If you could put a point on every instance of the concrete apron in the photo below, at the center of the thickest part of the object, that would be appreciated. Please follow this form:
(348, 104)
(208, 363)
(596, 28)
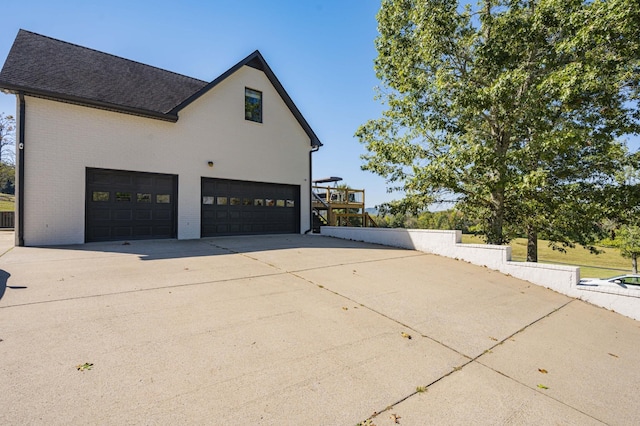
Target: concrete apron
(294, 329)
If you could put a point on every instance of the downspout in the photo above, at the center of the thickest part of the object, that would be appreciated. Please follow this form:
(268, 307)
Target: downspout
(20, 198)
(314, 149)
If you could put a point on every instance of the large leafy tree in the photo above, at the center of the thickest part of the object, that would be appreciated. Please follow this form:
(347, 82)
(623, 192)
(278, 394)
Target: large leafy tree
(511, 109)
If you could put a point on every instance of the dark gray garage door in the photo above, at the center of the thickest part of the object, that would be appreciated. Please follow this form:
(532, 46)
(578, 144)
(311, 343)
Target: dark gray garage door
(122, 205)
(233, 207)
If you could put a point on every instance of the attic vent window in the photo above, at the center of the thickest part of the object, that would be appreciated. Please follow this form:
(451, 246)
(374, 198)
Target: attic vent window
(252, 105)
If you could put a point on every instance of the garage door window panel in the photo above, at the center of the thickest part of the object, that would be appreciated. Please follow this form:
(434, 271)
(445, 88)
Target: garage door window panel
(123, 196)
(100, 196)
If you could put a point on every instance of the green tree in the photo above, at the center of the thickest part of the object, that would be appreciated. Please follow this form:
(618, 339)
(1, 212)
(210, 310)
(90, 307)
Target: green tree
(7, 137)
(630, 244)
(7, 140)
(511, 109)
(7, 178)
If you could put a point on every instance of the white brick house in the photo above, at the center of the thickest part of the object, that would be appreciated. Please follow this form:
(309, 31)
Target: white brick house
(111, 149)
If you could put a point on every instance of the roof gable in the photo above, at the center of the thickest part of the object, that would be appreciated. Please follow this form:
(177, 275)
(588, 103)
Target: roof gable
(46, 67)
(256, 60)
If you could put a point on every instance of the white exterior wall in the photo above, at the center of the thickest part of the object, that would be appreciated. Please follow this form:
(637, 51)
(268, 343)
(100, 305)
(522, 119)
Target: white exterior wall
(62, 140)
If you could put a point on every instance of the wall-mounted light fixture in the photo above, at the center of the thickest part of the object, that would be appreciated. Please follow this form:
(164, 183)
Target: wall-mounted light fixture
(210, 163)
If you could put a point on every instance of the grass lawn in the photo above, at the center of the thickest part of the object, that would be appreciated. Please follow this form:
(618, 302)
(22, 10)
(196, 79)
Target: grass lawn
(604, 265)
(7, 203)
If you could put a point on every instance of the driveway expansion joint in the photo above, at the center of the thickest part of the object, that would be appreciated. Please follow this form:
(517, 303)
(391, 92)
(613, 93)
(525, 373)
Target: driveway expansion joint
(535, 389)
(140, 290)
(471, 360)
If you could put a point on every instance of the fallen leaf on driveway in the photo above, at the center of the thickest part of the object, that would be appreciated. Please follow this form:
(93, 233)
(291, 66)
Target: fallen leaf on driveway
(542, 387)
(613, 355)
(85, 366)
(396, 418)
(344, 308)
(542, 370)
(405, 335)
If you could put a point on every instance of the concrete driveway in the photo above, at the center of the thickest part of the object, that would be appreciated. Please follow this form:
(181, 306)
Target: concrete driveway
(293, 330)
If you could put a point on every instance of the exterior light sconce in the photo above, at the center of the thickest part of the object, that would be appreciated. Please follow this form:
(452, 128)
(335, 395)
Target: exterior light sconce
(210, 163)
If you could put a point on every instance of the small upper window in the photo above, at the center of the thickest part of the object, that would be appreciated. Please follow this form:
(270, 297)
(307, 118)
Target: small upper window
(252, 105)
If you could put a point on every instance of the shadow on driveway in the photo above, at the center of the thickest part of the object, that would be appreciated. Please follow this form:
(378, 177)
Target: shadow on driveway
(4, 278)
(174, 249)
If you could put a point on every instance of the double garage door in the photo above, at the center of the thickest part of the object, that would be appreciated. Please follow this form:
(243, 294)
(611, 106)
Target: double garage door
(233, 207)
(124, 205)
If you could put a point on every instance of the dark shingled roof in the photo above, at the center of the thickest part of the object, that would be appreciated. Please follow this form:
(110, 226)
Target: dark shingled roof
(46, 67)
(54, 68)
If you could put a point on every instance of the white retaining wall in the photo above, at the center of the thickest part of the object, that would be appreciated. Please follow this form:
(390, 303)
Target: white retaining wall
(563, 279)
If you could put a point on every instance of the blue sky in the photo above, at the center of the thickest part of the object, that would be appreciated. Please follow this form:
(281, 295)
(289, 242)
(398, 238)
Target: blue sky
(322, 51)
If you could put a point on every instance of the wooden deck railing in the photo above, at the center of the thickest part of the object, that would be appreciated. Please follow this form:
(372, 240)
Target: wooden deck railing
(341, 206)
(7, 219)
(343, 196)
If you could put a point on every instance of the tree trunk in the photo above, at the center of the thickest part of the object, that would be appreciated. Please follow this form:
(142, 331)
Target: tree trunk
(496, 218)
(634, 263)
(532, 244)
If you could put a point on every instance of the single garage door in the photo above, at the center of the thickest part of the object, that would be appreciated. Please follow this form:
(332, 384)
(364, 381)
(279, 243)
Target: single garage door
(123, 205)
(233, 207)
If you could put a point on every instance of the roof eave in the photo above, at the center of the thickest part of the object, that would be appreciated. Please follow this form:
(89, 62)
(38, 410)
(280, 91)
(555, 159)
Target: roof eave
(11, 88)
